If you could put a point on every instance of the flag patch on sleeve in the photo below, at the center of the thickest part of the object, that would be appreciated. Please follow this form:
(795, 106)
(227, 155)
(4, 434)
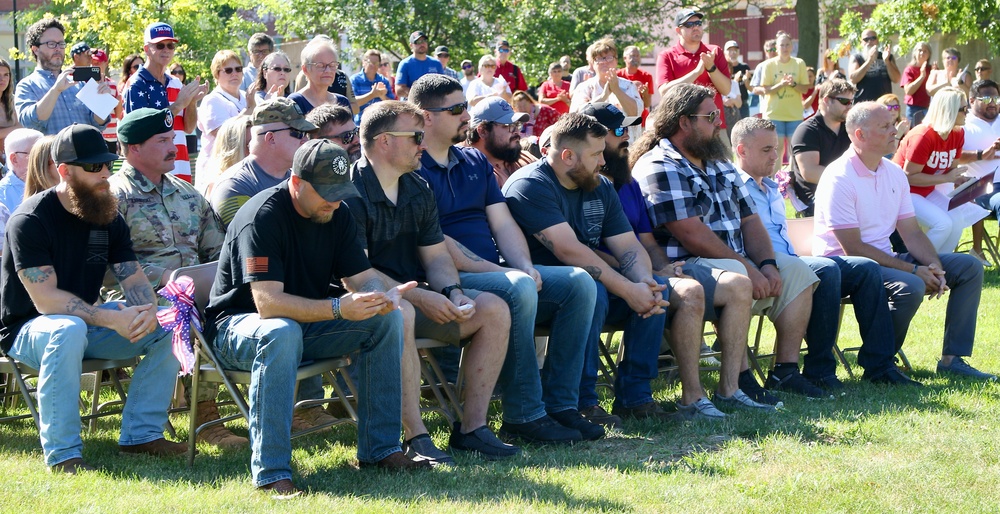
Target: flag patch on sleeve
(255, 265)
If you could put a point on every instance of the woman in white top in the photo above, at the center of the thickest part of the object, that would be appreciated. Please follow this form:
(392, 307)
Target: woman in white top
(488, 84)
(224, 102)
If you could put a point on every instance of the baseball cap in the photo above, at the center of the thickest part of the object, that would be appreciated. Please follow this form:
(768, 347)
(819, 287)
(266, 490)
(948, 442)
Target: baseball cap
(159, 31)
(141, 124)
(685, 15)
(417, 34)
(496, 110)
(442, 50)
(79, 48)
(99, 56)
(324, 165)
(281, 110)
(545, 139)
(81, 143)
(610, 116)
(730, 44)
(503, 42)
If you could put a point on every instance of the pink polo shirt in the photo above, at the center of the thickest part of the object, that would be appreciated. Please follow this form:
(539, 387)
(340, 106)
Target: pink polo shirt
(849, 195)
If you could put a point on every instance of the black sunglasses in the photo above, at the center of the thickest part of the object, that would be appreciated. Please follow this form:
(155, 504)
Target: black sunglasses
(161, 46)
(691, 24)
(869, 39)
(92, 167)
(297, 134)
(417, 135)
(456, 109)
(844, 101)
(279, 68)
(345, 137)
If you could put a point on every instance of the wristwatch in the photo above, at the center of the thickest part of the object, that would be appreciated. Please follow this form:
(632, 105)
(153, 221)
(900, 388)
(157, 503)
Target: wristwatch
(447, 290)
(765, 262)
(712, 69)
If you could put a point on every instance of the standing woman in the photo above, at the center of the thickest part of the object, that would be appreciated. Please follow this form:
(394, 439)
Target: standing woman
(8, 119)
(784, 80)
(224, 102)
(273, 79)
(930, 154)
(319, 66)
(488, 84)
(131, 65)
(951, 75)
(914, 83)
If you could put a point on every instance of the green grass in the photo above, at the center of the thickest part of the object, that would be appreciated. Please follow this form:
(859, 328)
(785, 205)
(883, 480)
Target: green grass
(874, 449)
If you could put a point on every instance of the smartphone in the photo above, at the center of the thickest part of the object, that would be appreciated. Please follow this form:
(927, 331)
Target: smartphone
(85, 73)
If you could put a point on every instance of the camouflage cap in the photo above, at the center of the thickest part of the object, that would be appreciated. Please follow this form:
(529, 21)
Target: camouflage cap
(282, 110)
(325, 166)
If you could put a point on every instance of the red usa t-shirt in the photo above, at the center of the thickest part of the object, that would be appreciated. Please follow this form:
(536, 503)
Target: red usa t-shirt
(923, 145)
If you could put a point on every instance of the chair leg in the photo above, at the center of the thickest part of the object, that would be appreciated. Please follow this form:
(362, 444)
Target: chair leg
(753, 352)
(905, 361)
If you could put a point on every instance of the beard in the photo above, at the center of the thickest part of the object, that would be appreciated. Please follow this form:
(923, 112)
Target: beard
(504, 153)
(585, 180)
(616, 165)
(91, 204)
(709, 148)
(461, 135)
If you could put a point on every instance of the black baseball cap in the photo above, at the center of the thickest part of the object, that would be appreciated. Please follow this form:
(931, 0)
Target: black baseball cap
(81, 143)
(610, 115)
(417, 34)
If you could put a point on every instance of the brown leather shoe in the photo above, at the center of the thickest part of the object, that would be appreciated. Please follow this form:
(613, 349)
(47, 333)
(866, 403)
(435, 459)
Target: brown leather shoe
(651, 410)
(396, 462)
(71, 467)
(216, 435)
(283, 489)
(158, 448)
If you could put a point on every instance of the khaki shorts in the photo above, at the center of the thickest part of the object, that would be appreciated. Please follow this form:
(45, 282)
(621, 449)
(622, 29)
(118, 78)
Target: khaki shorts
(796, 276)
(449, 332)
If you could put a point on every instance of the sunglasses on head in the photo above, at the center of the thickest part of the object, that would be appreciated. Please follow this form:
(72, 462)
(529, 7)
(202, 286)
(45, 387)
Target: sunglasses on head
(297, 134)
(168, 46)
(453, 109)
(691, 24)
(92, 167)
(279, 68)
(846, 101)
(712, 116)
(417, 135)
(229, 70)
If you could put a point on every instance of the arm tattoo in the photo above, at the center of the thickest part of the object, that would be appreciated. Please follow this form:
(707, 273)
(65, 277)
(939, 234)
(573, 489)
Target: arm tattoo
(468, 253)
(37, 275)
(545, 241)
(140, 295)
(123, 270)
(373, 285)
(78, 307)
(627, 262)
(594, 271)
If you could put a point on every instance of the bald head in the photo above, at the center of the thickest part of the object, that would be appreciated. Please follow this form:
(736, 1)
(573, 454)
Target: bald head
(872, 128)
(17, 145)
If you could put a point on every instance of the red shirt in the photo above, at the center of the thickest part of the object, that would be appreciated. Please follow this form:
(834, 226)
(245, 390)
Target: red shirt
(923, 145)
(550, 90)
(920, 98)
(643, 77)
(513, 76)
(675, 62)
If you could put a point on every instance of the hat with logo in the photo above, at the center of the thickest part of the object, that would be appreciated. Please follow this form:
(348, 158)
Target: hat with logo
(502, 43)
(442, 50)
(731, 44)
(497, 110)
(281, 110)
(158, 32)
(416, 35)
(79, 48)
(325, 167)
(686, 15)
(99, 56)
(141, 124)
(80, 143)
(610, 116)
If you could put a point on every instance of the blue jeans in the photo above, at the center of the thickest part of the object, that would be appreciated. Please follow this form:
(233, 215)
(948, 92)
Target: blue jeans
(565, 304)
(861, 279)
(279, 345)
(56, 346)
(786, 128)
(915, 114)
(638, 367)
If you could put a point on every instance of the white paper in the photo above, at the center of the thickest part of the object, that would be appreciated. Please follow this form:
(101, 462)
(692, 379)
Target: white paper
(99, 104)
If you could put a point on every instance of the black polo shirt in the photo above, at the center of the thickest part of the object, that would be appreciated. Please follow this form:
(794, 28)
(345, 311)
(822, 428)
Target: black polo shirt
(814, 136)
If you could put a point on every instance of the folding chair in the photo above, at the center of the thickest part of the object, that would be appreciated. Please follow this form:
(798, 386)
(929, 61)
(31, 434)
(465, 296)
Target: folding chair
(208, 366)
(446, 394)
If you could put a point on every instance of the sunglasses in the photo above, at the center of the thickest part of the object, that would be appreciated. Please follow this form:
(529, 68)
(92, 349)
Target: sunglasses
(168, 46)
(503, 50)
(279, 68)
(964, 109)
(135, 67)
(297, 134)
(417, 135)
(892, 107)
(488, 66)
(988, 99)
(467, 67)
(951, 58)
(771, 49)
(620, 131)
(513, 127)
(691, 24)
(869, 39)
(345, 137)
(984, 69)
(847, 101)
(229, 71)
(92, 167)
(455, 110)
(712, 116)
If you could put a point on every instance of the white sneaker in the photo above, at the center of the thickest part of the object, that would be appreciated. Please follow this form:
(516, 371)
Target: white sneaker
(740, 400)
(700, 409)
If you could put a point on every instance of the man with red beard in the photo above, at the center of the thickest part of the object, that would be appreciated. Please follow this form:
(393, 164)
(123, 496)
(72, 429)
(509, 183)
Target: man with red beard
(495, 130)
(59, 243)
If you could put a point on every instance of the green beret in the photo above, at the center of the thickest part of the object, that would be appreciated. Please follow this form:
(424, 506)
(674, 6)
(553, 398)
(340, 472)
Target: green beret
(141, 124)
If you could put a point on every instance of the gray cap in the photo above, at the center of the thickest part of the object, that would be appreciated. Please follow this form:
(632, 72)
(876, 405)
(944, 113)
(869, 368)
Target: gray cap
(325, 166)
(497, 110)
(610, 115)
(685, 15)
(80, 143)
(282, 110)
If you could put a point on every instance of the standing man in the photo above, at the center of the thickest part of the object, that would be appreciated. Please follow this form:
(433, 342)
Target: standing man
(444, 56)
(58, 246)
(46, 100)
(508, 70)
(153, 87)
(259, 46)
(16, 147)
(414, 66)
(741, 74)
(873, 70)
(368, 85)
(80, 53)
(468, 74)
(861, 199)
(643, 80)
(819, 141)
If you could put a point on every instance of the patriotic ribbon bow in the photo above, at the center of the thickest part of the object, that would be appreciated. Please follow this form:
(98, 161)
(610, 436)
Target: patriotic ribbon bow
(179, 318)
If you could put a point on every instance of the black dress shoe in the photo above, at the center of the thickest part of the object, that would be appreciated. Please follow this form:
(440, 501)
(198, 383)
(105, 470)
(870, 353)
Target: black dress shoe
(891, 376)
(573, 419)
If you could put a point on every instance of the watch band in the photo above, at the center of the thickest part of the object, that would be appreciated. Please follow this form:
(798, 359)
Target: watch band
(765, 262)
(447, 290)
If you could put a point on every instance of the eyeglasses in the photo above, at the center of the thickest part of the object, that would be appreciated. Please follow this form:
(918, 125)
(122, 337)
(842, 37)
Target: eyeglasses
(712, 116)
(455, 110)
(420, 41)
(513, 127)
(951, 57)
(604, 60)
(620, 131)
(168, 46)
(503, 50)
(691, 24)
(92, 167)
(323, 66)
(52, 45)
(297, 134)
(964, 109)
(988, 99)
(892, 107)
(229, 71)
(345, 137)
(487, 65)
(417, 135)
(845, 101)
(279, 68)
(261, 51)
(869, 39)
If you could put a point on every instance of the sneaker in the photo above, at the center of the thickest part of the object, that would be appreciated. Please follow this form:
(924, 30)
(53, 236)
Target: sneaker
(421, 448)
(542, 430)
(748, 384)
(707, 358)
(314, 417)
(829, 382)
(739, 400)
(573, 419)
(483, 442)
(701, 409)
(795, 383)
(597, 414)
(650, 410)
(959, 367)
(891, 376)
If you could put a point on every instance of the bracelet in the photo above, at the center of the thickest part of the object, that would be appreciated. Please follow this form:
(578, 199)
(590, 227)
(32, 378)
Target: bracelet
(915, 266)
(335, 306)
(712, 69)
(765, 262)
(979, 155)
(447, 290)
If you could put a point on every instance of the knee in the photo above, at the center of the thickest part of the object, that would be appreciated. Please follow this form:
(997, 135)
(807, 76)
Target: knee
(688, 293)
(408, 315)
(279, 329)
(67, 334)
(584, 286)
(495, 311)
(734, 289)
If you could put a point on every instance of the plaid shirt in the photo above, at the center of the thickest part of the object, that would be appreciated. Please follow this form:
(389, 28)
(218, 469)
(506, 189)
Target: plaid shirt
(675, 190)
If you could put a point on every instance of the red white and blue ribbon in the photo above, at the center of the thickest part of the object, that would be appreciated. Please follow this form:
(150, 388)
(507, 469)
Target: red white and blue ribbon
(179, 318)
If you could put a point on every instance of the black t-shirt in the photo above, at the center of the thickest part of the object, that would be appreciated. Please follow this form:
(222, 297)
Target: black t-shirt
(876, 81)
(814, 136)
(41, 232)
(339, 85)
(268, 240)
(744, 94)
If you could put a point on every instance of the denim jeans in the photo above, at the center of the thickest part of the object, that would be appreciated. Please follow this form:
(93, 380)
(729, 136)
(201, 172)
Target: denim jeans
(861, 279)
(565, 304)
(915, 115)
(56, 345)
(278, 346)
(638, 367)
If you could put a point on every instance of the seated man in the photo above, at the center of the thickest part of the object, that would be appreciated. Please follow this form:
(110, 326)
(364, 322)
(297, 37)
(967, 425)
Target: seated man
(270, 310)
(398, 226)
(59, 244)
(756, 144)
(861, 199)
(568, 209)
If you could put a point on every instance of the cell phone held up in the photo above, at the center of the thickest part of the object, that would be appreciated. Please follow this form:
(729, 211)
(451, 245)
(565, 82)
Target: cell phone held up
(85, 73)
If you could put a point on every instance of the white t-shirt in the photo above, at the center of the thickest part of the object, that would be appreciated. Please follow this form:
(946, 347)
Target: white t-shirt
(478, 88)
(217, 107)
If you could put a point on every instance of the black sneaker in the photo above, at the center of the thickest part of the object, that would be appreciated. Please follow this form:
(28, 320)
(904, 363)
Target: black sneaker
(794, 382)
(891, 376)
(597, 414)
(572, 419)
(542, 430)
(481, 441)
(748, 384)
(829, 382)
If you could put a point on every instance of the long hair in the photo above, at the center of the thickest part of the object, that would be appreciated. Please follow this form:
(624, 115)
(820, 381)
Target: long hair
(266, 65)
(127, 71)
(943, 110)
(913, 54)
(680, 100)
(39, 176)
(7, 95)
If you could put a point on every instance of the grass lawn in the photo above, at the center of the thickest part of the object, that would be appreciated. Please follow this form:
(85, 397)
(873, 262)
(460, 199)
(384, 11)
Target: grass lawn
(873, 449)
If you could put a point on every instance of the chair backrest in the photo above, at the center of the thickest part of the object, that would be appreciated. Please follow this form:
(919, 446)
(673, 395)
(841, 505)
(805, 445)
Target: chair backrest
(800, 231)
(203, 276)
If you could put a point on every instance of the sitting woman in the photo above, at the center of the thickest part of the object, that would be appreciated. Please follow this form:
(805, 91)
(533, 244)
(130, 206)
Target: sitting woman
(891, 102)
(42, 173)
(319, 66)
(540, 116)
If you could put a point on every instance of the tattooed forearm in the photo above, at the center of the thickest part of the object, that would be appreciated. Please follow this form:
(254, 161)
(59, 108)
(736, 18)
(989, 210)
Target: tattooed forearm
(140, 295)
(84, 310)
(545, 241)
(627, 261)
(594, 271)
(372, 285)
(468, 253)
(123, 270)
(37, 275)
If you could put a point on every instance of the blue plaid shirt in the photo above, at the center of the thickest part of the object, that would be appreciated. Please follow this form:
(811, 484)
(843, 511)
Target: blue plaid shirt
(676, 190)
(68, 109)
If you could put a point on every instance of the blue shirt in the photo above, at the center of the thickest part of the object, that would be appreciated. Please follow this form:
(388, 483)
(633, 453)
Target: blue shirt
(146, 91)
(11, 191)
(67, 111)
(463, 188)
(362, 86)
(410, 69)
(306, 106)
(771, 209)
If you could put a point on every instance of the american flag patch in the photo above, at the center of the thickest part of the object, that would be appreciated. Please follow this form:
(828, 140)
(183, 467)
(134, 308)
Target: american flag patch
(256, 265)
